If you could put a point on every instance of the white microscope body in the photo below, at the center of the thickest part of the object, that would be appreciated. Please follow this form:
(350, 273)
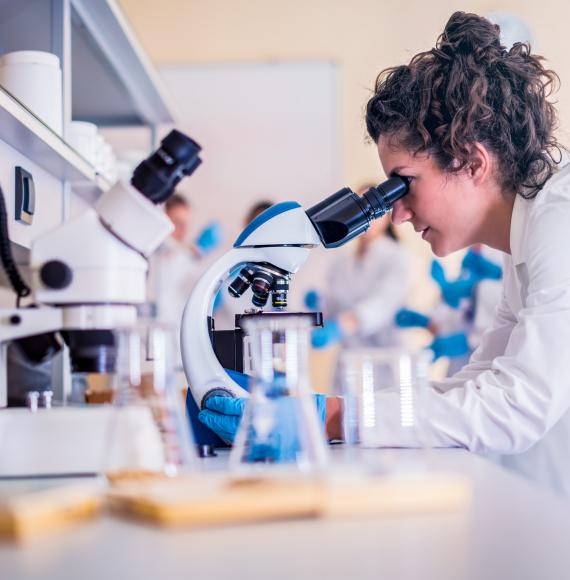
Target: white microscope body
(87, 278)
(282, 236)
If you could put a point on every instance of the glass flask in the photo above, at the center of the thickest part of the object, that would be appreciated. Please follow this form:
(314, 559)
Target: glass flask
(385, 395)
(149, 431)
(280, 427)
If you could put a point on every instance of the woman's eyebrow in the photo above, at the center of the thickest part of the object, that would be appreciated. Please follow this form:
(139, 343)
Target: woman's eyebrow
(397, 169)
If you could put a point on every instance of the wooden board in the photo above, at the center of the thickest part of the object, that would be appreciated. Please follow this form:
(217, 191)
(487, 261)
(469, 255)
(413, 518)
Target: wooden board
(207, 499)
(38, 509)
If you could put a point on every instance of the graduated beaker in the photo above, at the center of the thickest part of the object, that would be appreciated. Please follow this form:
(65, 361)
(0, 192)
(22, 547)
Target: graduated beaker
(280, 425)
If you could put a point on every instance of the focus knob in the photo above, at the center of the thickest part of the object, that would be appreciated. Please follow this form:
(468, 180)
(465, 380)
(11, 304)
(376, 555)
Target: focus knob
(56, 274)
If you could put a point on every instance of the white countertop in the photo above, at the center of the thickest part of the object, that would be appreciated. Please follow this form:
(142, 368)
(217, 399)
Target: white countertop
(512, 529)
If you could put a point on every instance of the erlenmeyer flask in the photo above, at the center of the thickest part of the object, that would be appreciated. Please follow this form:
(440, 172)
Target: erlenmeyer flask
(149, 432)
(280, 426)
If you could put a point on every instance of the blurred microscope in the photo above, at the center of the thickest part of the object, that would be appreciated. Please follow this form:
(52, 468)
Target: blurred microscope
(87, 278)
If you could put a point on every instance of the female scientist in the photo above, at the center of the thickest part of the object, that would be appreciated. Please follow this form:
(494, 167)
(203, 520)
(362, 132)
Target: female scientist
(471, 125)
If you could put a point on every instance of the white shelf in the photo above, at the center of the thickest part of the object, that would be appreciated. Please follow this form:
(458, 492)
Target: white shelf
(113, 58)
(26, 133)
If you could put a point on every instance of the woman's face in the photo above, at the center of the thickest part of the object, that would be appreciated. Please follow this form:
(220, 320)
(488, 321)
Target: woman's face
(448, 209)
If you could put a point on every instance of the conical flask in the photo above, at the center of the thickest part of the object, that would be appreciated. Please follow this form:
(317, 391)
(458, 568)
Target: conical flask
(149, 432)
(280, 427)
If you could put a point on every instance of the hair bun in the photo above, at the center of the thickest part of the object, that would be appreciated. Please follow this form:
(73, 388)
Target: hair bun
(469, 34)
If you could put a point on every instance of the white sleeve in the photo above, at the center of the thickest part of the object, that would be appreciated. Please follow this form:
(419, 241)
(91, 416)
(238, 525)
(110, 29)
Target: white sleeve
(385, 297)
(492, 344)
(508, 402)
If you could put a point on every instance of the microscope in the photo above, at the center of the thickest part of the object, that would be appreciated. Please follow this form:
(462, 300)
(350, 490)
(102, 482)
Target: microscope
(265, 256)
(87, 278)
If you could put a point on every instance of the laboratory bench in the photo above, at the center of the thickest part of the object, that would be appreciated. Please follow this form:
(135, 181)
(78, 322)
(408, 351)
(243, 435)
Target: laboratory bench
(511, 529)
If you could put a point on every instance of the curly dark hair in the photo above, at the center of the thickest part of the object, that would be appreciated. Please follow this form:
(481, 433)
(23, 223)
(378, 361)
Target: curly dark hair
(468, 89)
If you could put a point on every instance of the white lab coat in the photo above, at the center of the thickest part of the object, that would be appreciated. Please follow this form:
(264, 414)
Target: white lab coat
(173, 272)
(514, 395)
(374, 287)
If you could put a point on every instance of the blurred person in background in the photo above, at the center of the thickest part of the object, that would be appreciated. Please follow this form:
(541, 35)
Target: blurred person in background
(176, 265)
(466, 308)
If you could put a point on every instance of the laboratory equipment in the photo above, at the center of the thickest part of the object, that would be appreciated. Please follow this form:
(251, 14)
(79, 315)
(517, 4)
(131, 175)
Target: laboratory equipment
(279, 425)
(264, 257)
(374, 380)
(34, 78)
(87, 278)
(144, 383)
(90, 273)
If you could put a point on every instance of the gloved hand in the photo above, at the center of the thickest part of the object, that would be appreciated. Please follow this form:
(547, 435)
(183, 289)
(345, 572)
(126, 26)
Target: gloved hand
(209, 238)
(328, 334)
(453, 292)
(312, 300)
(223, 415)
(406, 318)
(480, 266)
(450, 345)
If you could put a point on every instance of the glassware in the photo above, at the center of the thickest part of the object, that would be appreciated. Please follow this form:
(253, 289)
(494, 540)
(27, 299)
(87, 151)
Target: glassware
(149, 431)
(280, 426)
(385, 398)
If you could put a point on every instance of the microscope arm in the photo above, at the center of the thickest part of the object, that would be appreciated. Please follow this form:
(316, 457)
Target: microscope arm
(206, 376)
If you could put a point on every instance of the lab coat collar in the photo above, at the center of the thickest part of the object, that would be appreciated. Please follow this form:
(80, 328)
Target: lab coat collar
(519, 217)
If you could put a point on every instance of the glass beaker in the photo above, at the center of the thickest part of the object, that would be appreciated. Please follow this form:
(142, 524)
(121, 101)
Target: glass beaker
(280, 426)
(149, 431)
(385, 397)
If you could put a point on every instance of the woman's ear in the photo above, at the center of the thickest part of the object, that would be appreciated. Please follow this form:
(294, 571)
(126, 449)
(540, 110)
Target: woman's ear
(479, 167)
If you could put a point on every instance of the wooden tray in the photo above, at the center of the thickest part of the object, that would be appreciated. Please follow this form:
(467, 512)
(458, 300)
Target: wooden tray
(39, 508)
(206, 499)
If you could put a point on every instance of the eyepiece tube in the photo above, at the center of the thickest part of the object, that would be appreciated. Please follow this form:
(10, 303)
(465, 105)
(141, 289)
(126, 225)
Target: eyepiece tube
(344, 215)
(382, 197)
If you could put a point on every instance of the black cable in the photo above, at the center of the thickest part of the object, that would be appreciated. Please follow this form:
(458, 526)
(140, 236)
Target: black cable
(18, 284)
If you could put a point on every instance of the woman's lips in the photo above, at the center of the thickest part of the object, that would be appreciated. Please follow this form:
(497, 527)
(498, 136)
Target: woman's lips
(424, 233)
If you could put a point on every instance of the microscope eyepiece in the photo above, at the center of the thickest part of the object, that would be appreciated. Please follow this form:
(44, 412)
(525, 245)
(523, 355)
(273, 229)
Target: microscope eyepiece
(344, 215)
(157, 176)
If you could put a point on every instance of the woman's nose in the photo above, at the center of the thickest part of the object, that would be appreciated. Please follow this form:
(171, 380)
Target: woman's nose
(401, 213)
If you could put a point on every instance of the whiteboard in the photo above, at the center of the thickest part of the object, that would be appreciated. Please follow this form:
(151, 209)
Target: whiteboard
(268, 131)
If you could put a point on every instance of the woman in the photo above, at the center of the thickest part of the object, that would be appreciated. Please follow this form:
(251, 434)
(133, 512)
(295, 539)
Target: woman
(470, 124)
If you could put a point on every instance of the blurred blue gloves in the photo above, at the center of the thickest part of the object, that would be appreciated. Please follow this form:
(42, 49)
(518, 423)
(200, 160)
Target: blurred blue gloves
(223, 415)
(450, 345)
(312, 300)
(209, 238)
(406, 318)
(328, 334)
(453, 292)
(482, 268)
(474, 268)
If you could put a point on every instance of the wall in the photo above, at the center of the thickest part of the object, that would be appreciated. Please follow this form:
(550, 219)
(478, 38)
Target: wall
(363, 36)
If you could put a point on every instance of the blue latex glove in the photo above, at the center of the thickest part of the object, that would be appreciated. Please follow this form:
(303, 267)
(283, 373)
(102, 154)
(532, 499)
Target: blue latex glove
(327, 335)
(480, 267)
(453, 292)
(312, 300)
(223, 415)
(406, 318)
(450, 345)
(209, 238)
